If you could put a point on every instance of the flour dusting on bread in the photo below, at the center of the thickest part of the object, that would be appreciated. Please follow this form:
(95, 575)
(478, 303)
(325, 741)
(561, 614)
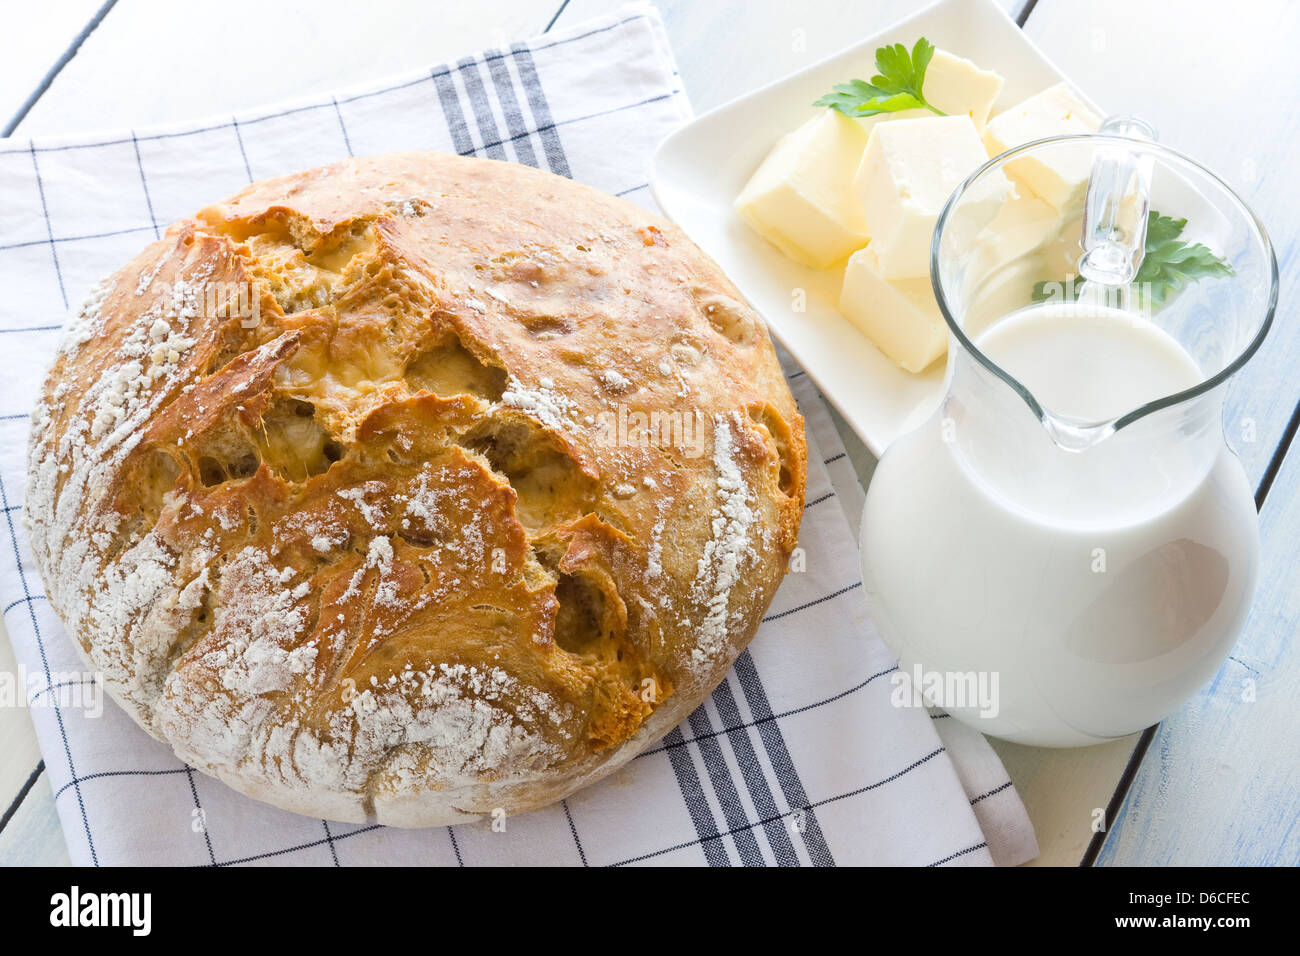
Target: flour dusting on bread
(728, 550)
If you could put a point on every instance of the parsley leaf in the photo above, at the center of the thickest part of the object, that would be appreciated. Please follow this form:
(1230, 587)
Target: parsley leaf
(1168, 264)
(1161, 228)
(896, 87)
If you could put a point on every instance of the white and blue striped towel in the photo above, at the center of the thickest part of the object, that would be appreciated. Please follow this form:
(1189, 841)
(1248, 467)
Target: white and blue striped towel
(798, 758)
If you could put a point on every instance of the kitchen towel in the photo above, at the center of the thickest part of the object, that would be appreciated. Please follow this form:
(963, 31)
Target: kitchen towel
(799, 757)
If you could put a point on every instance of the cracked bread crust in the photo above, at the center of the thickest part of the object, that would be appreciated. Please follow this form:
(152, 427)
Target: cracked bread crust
(480, 490)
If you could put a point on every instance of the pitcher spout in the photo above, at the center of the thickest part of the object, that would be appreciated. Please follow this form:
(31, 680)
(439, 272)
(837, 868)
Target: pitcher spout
(1076, 436)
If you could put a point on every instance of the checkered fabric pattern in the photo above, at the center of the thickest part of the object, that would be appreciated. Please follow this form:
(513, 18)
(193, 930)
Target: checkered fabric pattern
(797, 758)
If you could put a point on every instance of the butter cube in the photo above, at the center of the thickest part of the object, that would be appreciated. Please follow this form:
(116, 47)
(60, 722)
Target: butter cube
(1027, 241)
(1059, 178)
(908, 171)
(801, 198)
(954, 85)
(900, 316)
(1023, 225)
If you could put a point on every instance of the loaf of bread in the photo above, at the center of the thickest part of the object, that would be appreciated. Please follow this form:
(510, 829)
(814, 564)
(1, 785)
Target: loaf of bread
(414, 486)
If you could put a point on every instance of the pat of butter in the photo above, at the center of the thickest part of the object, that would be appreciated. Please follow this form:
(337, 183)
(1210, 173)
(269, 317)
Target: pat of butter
(1027, 241)
(1060, 177)
(801, 198)
(954, 85)
(900, 316)
(908, 171)
(1022, 225)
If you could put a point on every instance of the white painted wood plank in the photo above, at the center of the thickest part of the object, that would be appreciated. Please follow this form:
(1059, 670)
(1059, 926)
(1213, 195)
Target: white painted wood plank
(1220, 783)
(157, 61)
(726, 49)
(1063, 790)
(33, 837)
(32, 42)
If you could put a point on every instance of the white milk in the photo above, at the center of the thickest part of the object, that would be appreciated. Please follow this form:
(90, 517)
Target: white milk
(1093, 590)
(1089, 363)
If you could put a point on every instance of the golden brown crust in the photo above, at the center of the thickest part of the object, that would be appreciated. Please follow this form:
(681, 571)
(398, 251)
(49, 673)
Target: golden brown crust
(484, 496)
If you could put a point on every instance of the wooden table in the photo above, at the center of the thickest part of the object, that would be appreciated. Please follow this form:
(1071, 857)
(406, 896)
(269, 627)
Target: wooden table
(1219, 781)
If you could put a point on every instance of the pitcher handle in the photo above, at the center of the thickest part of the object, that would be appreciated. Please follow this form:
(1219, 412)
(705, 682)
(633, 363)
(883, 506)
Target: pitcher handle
(1115, 209)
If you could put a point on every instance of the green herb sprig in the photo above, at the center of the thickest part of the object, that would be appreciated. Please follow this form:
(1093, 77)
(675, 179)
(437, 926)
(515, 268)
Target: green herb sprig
(1168, 264)
(896, 87)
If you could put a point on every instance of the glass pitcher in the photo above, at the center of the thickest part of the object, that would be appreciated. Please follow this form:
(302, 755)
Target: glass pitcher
(1066, 550)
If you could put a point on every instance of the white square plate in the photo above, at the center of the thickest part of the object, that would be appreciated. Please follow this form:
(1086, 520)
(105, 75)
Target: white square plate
(698, 170)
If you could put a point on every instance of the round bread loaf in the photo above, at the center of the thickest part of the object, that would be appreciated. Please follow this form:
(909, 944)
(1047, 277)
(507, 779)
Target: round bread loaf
(414, 486)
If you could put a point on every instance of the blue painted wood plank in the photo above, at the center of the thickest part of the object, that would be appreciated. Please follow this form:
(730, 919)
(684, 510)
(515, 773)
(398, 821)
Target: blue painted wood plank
(1221, 783)
(1223, 90)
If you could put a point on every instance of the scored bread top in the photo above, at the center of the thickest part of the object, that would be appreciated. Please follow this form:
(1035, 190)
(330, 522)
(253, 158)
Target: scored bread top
(414, 485)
